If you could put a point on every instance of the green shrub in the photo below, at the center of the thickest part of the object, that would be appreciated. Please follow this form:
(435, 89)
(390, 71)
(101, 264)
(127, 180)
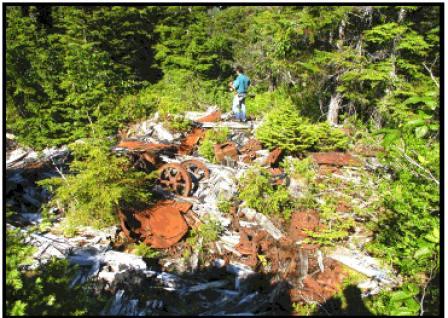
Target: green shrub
(400, 302)
(100, 183)
(212, 137)
(257, 190)
(146, 251)
(178, 123)
(181, 90)
(285, 128)
(209, 231)
(265, 101)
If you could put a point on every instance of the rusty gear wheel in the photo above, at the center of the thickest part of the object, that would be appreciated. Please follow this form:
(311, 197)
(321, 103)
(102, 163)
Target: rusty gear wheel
(197, 168)
(175, 177)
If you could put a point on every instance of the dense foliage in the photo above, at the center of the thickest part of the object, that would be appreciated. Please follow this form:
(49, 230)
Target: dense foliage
(258, 191)
(84, 71)
(99, 184)
(285, 128)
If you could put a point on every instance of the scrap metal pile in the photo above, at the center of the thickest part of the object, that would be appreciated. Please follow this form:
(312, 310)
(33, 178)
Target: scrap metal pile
(251, 244)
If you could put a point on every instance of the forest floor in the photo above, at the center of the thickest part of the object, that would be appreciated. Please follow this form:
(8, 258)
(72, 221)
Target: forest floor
(242, 262)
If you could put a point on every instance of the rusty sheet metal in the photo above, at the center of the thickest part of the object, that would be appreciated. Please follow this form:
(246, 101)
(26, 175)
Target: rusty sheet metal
(151, 157)
(333, 158)
(249, 150)
(280, 256)
(191, 140)
(301, 221)
(328, 170)
(251, 146)
(140, 145)
(273, 157)
(212, 117)
(227, 149)
(160, 226)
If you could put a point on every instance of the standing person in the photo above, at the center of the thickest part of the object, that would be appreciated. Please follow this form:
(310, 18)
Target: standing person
(240, 84)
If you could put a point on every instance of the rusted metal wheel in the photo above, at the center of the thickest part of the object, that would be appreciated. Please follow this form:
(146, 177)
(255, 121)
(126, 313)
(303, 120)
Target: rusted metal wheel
(175, 177)
(197, 168)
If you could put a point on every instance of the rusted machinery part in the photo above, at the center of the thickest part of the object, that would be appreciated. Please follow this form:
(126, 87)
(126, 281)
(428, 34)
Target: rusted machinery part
(150, 157)
(126, 227)
(176, 178)
(167, 226)
(197, 168)
(273, 157)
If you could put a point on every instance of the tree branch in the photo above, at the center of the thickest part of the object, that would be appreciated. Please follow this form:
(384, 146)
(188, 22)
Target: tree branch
(413, 162)
(432, 75)
(422, 311)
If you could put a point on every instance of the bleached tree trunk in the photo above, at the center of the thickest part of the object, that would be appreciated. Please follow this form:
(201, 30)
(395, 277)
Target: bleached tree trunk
(336, 97)
(333, 108)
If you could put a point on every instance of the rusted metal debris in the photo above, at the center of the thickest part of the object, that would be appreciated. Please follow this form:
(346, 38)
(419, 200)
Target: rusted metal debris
(343, 206)
(280, 256)
(161, 226)
(273, 157)
(249, 150)
(212, 117)
(227, 149)
(175, 177)
(302, 221)
(140, 145)
(190, 141)
(251, 145)
(197, 168)
(321, 287)
(278, 175)
(327, 170)
(335, 159)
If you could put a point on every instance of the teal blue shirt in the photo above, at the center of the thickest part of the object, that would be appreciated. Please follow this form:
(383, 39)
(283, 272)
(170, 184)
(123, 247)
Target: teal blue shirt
(241, 83)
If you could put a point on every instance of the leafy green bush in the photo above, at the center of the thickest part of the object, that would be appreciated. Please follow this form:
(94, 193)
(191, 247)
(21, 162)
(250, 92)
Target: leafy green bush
(212, 137)
(257, 190)
(285, 128)
(146, 251)
(44, 291)
(401, 302)
(178, 123)
(207, 232)
(100, 183)
(265, 101)
(181, 90)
